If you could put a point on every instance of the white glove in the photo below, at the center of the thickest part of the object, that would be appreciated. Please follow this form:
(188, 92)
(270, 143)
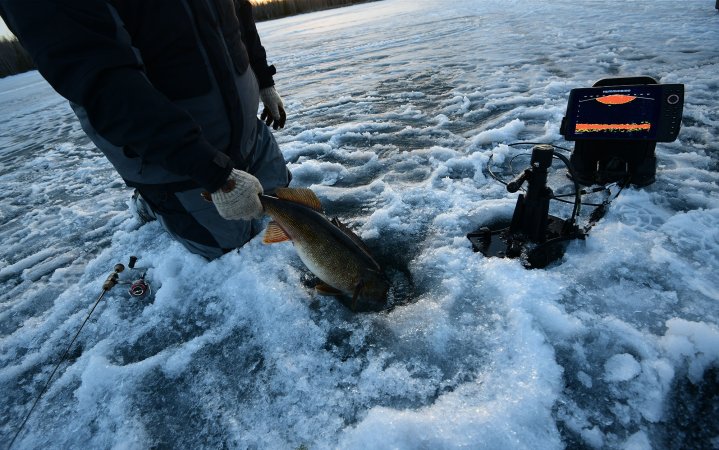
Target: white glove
(274, 113)
(238, 199)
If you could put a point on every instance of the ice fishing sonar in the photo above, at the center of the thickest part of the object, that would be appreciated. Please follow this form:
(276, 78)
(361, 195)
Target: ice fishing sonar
(616, 125)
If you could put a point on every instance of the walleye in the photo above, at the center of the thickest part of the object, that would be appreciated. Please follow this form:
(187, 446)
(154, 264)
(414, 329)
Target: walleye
(329, 249)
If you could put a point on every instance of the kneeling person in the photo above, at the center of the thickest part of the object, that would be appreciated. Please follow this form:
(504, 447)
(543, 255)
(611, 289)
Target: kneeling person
(169, 92)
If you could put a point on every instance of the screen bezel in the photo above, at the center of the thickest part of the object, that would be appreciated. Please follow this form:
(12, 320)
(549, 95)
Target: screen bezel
(644, 91)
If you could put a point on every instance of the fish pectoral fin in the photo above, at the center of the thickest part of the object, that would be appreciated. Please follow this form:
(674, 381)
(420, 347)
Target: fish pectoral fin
(355, 296)
(326, 289)
(303, 196)
(274, 234)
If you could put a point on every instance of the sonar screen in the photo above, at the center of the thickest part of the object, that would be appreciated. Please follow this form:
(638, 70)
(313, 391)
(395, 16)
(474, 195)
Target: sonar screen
(649, 112)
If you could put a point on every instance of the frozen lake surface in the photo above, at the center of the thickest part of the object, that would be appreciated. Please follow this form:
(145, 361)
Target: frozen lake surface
(394, 110)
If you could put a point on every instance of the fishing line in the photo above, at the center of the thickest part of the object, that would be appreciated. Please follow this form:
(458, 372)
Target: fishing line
(511, 160)
(492, 174)
(107, 285)
(568, 165)
(511, 169)
(578, 192)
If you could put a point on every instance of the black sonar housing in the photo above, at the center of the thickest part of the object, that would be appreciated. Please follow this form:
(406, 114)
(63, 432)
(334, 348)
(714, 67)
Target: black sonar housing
(646, 112)
(616, 125)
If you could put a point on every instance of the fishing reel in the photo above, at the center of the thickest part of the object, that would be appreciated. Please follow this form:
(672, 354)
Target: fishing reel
(139, 287)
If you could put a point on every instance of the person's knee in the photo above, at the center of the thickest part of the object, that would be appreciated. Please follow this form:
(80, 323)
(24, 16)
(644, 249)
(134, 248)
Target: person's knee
(140, 209)
(205, 251)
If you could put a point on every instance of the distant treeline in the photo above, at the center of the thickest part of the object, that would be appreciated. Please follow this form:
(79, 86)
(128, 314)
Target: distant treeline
(275, 9)
(13, 58)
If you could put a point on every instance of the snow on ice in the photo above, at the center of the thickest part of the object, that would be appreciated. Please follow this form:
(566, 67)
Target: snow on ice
(395, 108)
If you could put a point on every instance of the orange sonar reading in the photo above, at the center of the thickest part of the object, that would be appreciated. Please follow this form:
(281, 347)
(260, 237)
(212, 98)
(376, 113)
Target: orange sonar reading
(615, 99)
(626, 127)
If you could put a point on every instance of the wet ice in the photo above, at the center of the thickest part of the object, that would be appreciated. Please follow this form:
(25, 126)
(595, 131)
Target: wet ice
(395, 108)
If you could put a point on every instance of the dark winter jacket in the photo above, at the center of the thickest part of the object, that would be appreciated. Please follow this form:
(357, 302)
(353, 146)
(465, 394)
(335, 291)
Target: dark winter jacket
(160, 86)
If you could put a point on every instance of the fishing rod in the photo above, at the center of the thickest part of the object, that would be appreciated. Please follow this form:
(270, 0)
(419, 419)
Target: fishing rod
(138, 288)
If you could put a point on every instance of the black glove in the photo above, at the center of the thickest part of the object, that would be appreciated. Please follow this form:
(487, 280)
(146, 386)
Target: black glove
(274, 113)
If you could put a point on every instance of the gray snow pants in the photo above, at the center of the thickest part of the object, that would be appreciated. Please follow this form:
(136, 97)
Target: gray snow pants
(195, 222)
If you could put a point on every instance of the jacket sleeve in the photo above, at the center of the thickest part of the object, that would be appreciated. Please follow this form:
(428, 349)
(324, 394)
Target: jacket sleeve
(76, 46)
(255, 50)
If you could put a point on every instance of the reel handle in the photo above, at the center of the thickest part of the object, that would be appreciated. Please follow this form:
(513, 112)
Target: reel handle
(113, 278)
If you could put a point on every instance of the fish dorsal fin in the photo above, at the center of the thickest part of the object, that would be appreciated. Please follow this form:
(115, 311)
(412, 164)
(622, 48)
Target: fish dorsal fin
(274, 234)
(350, 234)
(303, 196)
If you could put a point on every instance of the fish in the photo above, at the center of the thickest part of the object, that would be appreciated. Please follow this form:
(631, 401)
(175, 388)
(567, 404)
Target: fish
(329, 249)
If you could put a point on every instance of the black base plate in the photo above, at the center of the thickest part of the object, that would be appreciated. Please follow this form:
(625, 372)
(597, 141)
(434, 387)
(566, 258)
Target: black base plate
(496, 240)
